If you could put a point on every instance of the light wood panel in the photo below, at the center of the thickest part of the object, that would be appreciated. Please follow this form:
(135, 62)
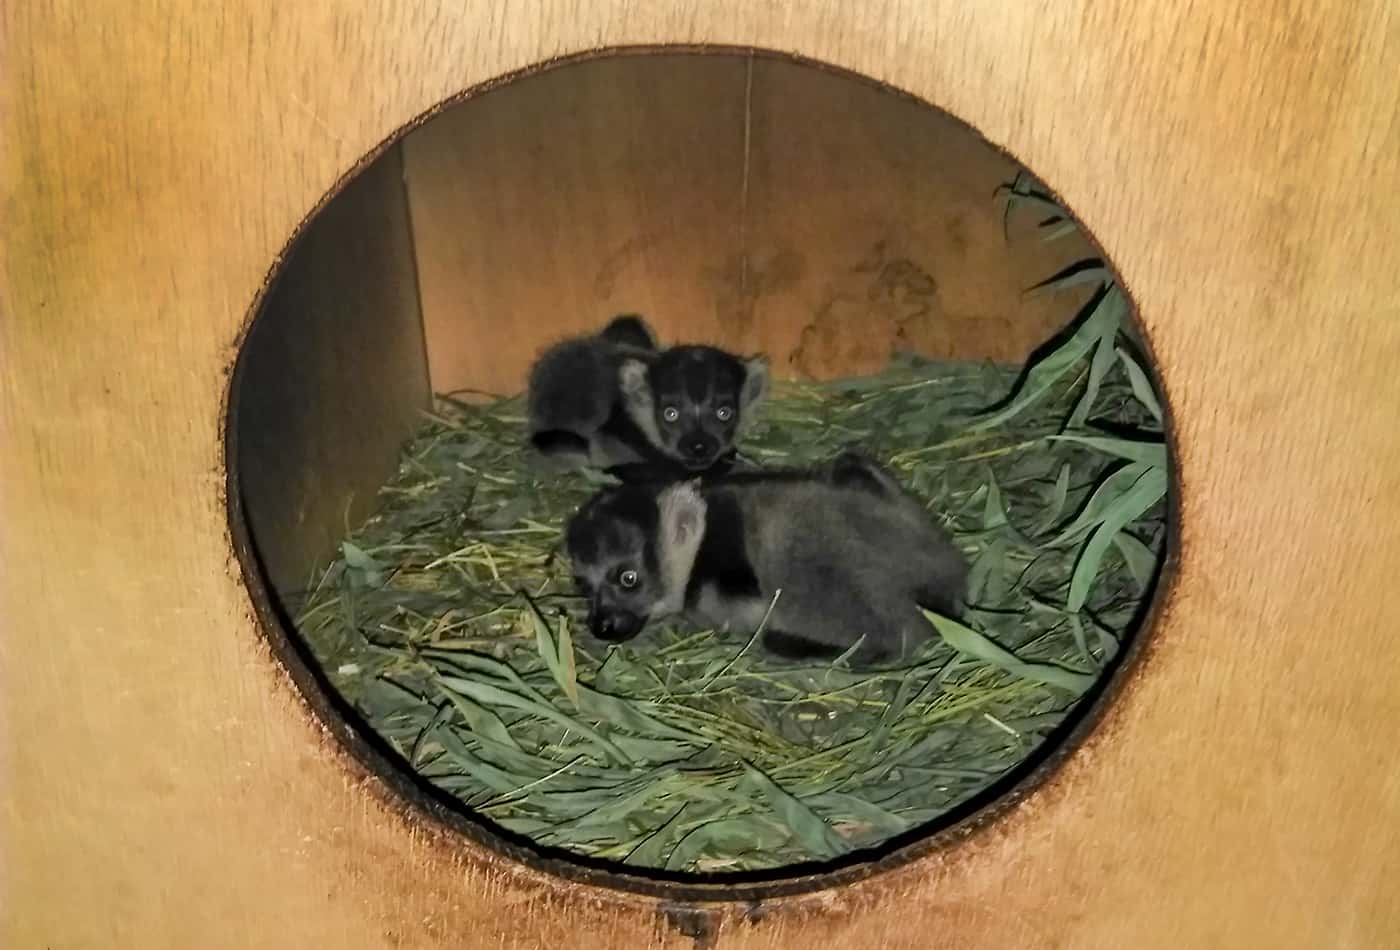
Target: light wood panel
(545, 207)
(752, 202)
(333, 377)
(166, 786)
(872, 227)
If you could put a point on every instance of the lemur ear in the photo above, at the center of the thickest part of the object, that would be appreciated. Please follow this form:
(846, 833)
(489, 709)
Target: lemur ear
(632, 377)
(682, 512)
(631, 329)
(755, 381)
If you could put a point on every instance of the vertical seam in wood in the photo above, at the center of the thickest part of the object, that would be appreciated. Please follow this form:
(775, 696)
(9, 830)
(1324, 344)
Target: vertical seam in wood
(744, 183)
(416, 273)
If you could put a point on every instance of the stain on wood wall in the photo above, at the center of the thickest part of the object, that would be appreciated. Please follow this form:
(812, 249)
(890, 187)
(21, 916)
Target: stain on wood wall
(753, 202)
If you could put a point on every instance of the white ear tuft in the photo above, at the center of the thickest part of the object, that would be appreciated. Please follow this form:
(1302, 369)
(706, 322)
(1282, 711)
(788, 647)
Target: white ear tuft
(632, 377)
(681, 517)
(682, 513)
(636, 398)
(755, 381)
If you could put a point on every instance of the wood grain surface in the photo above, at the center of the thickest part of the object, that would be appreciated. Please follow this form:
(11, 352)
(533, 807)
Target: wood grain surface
(333, 377)
(165, 784)
(752, 202)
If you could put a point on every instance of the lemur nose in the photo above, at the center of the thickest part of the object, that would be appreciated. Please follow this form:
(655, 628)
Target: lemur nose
(697, 448)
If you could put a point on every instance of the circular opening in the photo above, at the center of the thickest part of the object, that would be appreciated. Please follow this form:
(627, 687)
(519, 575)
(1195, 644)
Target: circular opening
(877, 279)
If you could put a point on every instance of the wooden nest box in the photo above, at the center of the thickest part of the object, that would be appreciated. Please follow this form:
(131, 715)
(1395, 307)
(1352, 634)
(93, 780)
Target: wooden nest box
(768, 175)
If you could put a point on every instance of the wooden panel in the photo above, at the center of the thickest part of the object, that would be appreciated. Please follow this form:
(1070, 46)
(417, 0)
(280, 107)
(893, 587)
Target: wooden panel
(872, 226)
(333, 376)
(842, 223)
(543, 208)
(167, 786)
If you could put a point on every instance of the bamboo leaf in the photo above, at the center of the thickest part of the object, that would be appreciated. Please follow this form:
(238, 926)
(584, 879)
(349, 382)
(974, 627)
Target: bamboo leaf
(996, 576)
(1085, 273)
(506, 515)
(356, 557)
(909, 690)
(969, 641)
(1106, 314)
(814, 833)
(1098, 369)
(467, 662)
(1058, 496)
(993, 513)
(729, 837)
(568, 662)
(1060, 230)
(991, 561)
(1141, 560)
(655, 847)
(556, 651)
(1021, 191)
(1142, 386)
(1115, 486)
(1146, 492)
(627, 714)
(481, 720)
(364, 568)
(463, 758)
(490, 694)
(1080, 640)
(1150, 452)
(629, 802)
(426, 732)
(883, 823)
(523, 825)
(649, 749)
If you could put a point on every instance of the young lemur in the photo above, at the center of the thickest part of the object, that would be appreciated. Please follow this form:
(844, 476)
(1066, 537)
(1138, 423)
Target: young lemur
(619, 402)
(849, 555)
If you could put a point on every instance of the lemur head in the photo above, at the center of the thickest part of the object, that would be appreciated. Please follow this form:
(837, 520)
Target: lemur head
(632, 549)
(692, 401)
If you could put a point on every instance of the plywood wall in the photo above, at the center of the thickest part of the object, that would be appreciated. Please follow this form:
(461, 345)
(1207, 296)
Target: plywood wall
(753, 202)
(332, 378)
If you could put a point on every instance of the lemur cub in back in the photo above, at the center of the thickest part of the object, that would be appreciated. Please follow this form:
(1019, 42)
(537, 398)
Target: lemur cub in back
(849, 555)
(618, 402)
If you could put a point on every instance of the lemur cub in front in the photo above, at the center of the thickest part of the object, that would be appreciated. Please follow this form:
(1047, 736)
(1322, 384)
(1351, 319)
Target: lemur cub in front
(848, 554)
(619, 402)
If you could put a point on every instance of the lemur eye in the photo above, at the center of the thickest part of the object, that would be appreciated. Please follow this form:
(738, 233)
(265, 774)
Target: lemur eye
(627, 579)
(724, 413)
(670, 413)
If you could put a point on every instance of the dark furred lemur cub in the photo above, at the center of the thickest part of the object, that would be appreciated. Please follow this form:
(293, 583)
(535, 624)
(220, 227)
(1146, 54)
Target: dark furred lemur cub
(854, 555)
(618, 402)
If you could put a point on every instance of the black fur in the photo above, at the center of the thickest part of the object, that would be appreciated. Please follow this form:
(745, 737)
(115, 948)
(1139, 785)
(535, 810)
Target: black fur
(723, 559)
(556, 441)
(791, 646)
(850, 470)
(596, 524)
(663, 471)
(837, 558)
(630, 330)
(696, 381)
(579, 415)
